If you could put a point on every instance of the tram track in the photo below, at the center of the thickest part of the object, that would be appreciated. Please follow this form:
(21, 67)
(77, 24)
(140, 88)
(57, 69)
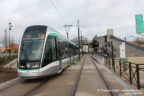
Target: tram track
(30, 87)
(11, 85)
(103, 78)
(77, 80)
(35, 88)
(24, 87)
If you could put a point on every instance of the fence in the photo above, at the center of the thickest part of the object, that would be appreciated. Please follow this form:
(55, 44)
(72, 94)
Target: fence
(133, 72)
(7, 54)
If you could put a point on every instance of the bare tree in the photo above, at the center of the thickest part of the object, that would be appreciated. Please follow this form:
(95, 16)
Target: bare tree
(5, 39)
(5, 43)
(11, 43)
(95, 43)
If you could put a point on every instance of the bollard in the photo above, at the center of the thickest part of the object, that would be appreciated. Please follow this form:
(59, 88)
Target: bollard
(75, 62)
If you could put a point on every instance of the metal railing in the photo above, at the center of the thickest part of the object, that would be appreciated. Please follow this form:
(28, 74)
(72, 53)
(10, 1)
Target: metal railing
(133, 72)
(7, 54)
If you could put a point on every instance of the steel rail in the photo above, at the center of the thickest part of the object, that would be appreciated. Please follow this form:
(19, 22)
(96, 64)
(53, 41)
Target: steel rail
(12, 85)
(104, 79)
(35, 88)
(77, 80)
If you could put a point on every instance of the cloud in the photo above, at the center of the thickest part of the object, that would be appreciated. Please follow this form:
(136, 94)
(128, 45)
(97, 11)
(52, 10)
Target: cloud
(101, 15)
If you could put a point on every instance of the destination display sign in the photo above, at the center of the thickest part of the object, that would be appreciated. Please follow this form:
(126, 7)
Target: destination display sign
(36, 34)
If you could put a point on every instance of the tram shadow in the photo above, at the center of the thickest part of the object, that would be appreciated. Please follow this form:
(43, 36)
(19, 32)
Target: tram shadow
(41, 79)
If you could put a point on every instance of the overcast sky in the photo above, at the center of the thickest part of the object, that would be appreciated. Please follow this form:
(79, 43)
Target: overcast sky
(101, 15)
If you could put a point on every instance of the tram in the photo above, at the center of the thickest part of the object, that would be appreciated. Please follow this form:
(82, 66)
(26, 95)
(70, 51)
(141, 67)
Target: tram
(43, 52)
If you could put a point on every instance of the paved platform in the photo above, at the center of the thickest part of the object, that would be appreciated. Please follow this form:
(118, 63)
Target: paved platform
(116, 82)
(90, 83)
(12, 64)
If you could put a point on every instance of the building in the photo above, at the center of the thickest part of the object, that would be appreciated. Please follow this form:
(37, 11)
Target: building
(85, 45)
(2, 49)
(13, 48)
(83, 40)
(141, 43)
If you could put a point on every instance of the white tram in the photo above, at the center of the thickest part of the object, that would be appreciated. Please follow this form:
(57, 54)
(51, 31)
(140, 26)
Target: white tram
(44, 52)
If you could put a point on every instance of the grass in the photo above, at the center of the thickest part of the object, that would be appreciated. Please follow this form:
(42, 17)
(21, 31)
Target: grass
(6, 59)
(7, 73)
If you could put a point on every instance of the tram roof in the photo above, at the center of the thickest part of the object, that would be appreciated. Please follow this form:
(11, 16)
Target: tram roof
(53, 32)
(59, 35)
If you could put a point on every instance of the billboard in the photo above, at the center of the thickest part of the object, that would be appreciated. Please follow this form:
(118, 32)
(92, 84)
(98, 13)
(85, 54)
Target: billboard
(122, 50)
(139, 24)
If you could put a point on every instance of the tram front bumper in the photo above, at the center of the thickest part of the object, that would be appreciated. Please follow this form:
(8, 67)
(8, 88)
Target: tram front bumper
(28, 74)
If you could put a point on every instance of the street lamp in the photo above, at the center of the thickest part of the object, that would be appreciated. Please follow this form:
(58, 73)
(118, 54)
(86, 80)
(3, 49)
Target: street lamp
(10, 27)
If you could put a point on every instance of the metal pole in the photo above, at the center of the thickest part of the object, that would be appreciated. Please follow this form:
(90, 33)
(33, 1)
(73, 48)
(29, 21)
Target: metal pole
(120, 67)
(81, 42)
(113, 63)
(67, 28)
(130, 71)
(88, 48)
(79, 39)
(10, 27)
(125, 38)
(67, 35)
(138, 76)
(9, 38)
(106, 61)
(106, 50)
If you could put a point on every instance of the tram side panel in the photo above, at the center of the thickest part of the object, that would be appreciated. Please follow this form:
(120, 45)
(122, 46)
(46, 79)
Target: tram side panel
(50, 64)
(63, 48)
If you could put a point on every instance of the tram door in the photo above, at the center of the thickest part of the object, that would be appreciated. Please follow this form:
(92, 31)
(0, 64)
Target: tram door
(69, 53)
(59, 47)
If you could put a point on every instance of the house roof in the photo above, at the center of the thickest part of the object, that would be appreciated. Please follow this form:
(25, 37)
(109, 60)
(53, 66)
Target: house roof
(134, 42)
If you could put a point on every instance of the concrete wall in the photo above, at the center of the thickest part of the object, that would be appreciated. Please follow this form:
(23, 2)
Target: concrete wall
(131, 51)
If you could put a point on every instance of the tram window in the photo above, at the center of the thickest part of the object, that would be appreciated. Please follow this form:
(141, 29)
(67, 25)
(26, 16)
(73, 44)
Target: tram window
(66, 50)
(63, 50)
(72, 50)
(50, 51)
(69, 47)
(59, 48)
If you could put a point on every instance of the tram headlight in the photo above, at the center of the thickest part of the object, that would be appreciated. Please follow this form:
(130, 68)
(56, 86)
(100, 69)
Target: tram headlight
(35, 65)
(32, 65)
(28, 65)
(21, 66)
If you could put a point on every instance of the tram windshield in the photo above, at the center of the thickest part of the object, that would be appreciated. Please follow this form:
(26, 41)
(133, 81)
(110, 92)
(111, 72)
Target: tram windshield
(32, 44)
(31, 49)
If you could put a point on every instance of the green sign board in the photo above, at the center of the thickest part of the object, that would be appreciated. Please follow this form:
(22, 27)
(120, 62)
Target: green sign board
(139, 24)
